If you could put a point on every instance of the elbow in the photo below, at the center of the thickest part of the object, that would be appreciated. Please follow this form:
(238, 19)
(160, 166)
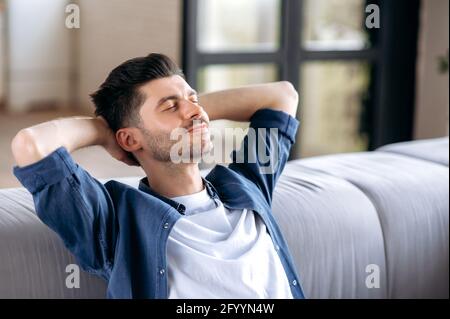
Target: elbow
(290, 100)
(290, 90)
(24, 147)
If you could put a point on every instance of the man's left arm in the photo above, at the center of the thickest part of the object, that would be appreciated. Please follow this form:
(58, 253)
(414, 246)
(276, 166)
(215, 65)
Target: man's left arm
(271, 110)
(239, 104)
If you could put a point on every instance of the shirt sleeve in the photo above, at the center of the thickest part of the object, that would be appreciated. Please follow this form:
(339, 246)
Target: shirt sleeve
(265, 149)
(74, 205)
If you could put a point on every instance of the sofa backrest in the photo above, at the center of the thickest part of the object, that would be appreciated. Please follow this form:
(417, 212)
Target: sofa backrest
(362, 225)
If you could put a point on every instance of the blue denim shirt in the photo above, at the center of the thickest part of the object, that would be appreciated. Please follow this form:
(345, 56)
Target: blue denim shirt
(120, 233)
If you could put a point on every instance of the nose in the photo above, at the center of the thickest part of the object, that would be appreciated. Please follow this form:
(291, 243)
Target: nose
(190, 110)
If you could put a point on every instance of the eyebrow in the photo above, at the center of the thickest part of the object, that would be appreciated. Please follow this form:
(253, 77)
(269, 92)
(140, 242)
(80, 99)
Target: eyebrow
(174, 97)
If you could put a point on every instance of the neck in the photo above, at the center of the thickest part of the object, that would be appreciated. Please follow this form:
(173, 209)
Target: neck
(173, 180)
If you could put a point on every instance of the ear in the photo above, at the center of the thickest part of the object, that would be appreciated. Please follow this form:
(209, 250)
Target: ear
(129, 139)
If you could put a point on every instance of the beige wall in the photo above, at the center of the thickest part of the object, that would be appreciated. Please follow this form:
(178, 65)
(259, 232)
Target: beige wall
(432, 99)
(2, 51)
(38, 54)
(113, 31)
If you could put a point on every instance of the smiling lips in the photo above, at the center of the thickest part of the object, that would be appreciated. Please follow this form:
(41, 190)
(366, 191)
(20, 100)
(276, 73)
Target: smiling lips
(198, 127)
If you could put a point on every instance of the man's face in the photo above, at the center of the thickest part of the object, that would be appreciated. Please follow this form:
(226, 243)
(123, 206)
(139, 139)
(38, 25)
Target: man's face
(171, 106)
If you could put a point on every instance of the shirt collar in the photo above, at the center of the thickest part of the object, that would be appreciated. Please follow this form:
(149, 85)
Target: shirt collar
(143, 186)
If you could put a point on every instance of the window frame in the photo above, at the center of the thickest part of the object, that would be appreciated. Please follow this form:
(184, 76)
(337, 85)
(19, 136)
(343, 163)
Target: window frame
(391, 103)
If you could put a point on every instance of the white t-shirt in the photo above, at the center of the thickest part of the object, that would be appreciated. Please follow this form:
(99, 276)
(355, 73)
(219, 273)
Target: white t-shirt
(214, 252)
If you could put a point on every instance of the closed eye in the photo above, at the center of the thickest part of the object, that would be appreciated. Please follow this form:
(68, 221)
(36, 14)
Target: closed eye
(171, 107)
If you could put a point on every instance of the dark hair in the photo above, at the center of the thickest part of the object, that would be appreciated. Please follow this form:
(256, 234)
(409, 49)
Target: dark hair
(118, 99)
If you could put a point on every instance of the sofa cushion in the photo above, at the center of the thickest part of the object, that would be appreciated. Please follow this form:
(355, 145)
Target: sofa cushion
(434, 150)
(411, 197)
(33, 258)
(333, 232)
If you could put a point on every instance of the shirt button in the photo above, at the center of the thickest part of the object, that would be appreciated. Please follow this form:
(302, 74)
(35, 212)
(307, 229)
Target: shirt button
(166, 225)
(277, 247)
(182, 209)
(161, 272)
(294, 282)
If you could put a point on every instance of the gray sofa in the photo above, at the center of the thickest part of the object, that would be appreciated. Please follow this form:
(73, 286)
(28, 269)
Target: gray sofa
(341, 215)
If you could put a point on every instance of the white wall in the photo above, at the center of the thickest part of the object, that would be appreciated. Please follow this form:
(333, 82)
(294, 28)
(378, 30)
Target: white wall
(113, 31)
(39, 59)
(432, 99)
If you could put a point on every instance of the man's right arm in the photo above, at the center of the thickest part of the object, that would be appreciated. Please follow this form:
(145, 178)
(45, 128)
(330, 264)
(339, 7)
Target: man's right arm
(67, 198)
(36, 142)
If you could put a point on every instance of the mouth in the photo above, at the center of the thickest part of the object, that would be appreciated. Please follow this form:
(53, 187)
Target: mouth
(198, 127)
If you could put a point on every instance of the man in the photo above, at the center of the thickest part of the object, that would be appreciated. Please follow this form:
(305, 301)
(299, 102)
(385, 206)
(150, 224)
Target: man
(179, 235)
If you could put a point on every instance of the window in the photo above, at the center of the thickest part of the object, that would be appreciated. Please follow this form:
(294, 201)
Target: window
(356, 84)
(224, 25)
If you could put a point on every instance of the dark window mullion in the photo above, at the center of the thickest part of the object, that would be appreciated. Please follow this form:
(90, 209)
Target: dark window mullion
(238, 58)
(290, 36)
(290, 47)
(189, 32)
(393, 114)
